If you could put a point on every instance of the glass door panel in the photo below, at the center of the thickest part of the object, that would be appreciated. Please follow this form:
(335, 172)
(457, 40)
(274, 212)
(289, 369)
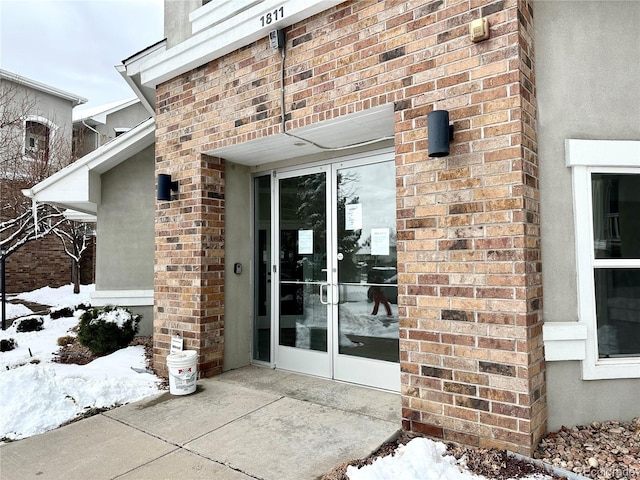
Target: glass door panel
(262, 272)
(302, 270)
(367, 277)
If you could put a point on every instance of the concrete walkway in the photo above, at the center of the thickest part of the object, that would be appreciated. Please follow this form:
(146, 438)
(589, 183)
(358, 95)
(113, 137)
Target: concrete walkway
(251, 423)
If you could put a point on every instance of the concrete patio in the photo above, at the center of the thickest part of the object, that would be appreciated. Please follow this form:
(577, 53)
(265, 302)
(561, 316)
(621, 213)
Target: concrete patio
(251, 423)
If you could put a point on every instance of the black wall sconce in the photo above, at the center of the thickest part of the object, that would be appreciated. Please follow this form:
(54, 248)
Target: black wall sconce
(166, 186)
(439, 132)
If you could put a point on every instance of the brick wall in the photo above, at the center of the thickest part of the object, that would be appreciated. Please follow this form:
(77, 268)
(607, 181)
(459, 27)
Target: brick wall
(468, 237)
(189, 259)
(38, 264)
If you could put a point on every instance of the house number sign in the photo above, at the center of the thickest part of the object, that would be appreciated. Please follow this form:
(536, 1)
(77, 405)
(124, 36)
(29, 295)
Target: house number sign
(271, 17)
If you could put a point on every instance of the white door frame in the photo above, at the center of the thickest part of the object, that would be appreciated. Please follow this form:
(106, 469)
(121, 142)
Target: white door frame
(329, 364)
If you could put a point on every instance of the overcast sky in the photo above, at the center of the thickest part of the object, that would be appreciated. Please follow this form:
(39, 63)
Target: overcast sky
(74, 45)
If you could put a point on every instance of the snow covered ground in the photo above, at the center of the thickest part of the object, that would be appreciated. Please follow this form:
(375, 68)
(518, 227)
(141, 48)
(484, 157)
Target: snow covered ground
(37, 394)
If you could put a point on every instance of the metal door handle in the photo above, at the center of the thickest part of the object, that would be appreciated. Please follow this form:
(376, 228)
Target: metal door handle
(323, 302)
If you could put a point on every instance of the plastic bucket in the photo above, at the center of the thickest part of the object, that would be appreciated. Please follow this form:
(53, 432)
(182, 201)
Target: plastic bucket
(183, 371)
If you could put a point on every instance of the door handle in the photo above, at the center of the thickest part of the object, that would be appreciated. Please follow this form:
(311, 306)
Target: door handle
(323, 302)
(335, 294)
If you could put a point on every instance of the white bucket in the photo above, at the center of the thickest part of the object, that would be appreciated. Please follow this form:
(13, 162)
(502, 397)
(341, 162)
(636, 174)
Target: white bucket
(183, 371)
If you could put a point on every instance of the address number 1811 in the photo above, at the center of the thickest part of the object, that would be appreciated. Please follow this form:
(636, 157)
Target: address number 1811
(269, 18)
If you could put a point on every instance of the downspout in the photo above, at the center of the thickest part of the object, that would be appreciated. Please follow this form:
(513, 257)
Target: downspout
(34, 208)
(94, 131)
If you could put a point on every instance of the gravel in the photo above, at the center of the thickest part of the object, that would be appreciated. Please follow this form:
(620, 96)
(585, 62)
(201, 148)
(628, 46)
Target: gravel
(601, 450)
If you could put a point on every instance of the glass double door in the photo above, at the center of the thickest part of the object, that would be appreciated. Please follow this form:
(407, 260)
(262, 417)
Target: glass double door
(334, 271)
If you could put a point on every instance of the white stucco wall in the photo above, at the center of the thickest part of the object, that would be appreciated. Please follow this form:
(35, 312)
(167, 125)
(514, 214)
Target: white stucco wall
(125, 231)
(587, 68)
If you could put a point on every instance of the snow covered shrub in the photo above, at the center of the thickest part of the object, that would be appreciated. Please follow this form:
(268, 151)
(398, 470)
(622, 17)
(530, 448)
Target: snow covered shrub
(7, 344)
(33, 324)
(107, 329)
(63, 312)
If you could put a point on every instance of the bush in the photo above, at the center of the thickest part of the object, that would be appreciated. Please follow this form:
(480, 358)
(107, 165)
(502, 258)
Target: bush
(33, 324)
(63, 312)
(107, 329)
(7, 344)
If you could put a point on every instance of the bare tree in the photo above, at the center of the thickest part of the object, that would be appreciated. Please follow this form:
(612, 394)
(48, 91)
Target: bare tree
(29, 225)
(32, 148)
(75, 238)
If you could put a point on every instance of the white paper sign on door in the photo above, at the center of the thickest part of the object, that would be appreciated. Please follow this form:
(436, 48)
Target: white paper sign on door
(353, 216)
(379, 241)
(305, 242)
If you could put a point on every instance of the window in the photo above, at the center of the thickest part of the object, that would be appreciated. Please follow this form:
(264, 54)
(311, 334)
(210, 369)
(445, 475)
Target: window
(616, 235)
(38, 135)
(37, 139)
(606, 191)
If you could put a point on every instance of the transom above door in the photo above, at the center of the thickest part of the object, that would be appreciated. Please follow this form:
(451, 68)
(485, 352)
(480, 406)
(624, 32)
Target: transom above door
(331, 260)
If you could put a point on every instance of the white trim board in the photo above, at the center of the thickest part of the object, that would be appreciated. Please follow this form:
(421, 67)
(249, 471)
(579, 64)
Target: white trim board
(126, 298)
(220, 32)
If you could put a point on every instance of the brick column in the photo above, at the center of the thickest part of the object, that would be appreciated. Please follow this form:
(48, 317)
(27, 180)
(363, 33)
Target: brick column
(469, 250)
(189, 259)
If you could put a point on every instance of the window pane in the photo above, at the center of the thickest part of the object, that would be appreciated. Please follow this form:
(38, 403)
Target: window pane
(616, 223)
(618, 311)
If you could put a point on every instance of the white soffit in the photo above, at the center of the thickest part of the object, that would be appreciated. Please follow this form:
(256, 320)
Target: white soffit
(336, 134)
(221, 32)
(79, 216)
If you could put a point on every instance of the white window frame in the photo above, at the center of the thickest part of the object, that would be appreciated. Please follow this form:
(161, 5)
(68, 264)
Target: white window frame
(43, 121)
(585, 157)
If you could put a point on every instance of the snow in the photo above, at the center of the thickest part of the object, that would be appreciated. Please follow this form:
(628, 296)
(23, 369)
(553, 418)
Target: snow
(420, 459)
(37, 395)
(119, 316)
(13, 310)
(57, 297)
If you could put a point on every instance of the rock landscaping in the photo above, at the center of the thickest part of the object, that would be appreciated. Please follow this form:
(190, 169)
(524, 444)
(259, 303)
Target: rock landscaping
(601, 450)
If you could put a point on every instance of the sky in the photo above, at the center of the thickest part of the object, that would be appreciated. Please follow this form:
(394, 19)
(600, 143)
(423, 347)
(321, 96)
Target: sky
(73, 45)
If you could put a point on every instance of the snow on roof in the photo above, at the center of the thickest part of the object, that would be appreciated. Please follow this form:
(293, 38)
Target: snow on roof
(99, 113)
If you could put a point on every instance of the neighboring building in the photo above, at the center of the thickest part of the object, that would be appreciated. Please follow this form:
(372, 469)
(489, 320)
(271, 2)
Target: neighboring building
(512, 259)
(94, 127)
(35, 139)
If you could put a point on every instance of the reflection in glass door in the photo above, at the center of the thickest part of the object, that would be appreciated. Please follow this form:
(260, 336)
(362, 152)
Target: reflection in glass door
(303, 302)
(367, 346)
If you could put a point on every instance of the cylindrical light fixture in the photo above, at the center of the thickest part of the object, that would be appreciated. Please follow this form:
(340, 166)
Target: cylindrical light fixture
(165, 187)
(439, 133)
